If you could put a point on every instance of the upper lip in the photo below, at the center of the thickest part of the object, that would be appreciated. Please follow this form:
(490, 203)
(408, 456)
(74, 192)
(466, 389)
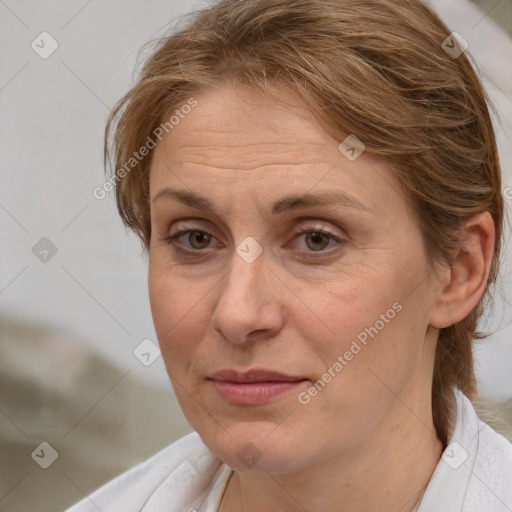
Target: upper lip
(254, 375)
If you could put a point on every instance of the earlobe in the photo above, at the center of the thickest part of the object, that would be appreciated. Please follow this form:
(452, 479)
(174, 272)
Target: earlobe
(443, 317)
(467, 277)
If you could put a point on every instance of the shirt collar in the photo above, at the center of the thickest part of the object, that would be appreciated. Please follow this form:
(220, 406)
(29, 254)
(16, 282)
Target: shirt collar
(449, 483)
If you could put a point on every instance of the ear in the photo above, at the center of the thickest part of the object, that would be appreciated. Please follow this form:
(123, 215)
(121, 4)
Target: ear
(464, 282)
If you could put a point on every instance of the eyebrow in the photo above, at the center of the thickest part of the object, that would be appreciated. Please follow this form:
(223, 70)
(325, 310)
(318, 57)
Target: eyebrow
(292, 202)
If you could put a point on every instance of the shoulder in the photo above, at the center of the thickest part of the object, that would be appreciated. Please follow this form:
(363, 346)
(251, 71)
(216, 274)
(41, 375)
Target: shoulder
(475, 470)
(182, 468)
(492, 473)
(490, 482)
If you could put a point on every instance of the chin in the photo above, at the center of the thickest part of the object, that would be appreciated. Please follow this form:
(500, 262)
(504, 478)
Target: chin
(248, 447)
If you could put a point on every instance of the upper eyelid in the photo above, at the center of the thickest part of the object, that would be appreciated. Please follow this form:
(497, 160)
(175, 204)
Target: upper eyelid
(316, 224)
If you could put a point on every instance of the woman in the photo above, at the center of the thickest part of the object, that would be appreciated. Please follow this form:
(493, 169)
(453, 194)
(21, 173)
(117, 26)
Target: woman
(318, 189)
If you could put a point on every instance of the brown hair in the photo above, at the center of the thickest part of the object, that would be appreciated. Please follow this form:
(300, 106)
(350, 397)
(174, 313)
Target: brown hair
(373, 68)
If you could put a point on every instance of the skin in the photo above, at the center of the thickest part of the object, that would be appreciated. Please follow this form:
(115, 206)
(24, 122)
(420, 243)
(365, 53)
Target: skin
(366, 441)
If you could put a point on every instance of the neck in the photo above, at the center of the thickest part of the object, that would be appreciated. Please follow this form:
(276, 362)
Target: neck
(388, 472)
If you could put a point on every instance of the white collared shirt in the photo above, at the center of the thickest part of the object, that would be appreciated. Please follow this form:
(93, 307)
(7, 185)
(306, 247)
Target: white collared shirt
(474, 474)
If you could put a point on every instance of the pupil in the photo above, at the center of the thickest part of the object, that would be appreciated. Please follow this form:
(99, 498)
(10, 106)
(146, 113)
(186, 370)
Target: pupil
(197, 236)
(317, 238)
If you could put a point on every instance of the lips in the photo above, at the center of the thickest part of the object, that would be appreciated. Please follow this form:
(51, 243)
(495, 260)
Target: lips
(254, 375)
(254, 387)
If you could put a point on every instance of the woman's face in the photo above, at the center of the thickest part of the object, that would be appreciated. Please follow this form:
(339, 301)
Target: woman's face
(292, 305)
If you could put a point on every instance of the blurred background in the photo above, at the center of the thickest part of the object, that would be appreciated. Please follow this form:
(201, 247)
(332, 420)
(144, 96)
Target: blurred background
(74, 307)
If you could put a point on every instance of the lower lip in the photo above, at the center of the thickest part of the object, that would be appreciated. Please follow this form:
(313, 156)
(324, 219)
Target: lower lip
(253, 393)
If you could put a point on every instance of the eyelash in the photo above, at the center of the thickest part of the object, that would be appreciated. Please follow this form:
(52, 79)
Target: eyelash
(171, 240)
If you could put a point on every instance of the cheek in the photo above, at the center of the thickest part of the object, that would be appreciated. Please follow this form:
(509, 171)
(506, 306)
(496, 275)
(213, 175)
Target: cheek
(346, 305)
(370, 316)
(178, 315)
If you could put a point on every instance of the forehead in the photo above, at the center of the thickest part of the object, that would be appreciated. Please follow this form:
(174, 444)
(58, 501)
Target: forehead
(237, 139)
(245, 128)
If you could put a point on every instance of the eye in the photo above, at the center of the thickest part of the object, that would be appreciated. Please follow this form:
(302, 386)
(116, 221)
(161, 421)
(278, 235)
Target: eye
(197, 239)
(317, 239)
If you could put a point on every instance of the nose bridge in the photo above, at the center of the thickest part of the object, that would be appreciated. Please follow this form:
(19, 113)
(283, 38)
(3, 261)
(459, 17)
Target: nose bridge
(244, 304)
(247, 268)
(241, 283)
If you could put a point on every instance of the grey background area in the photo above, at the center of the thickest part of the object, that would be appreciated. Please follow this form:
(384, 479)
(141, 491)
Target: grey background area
(500, 11)
(74, 309)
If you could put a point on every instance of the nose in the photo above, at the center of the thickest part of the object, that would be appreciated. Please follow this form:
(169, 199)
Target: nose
(249, 306)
